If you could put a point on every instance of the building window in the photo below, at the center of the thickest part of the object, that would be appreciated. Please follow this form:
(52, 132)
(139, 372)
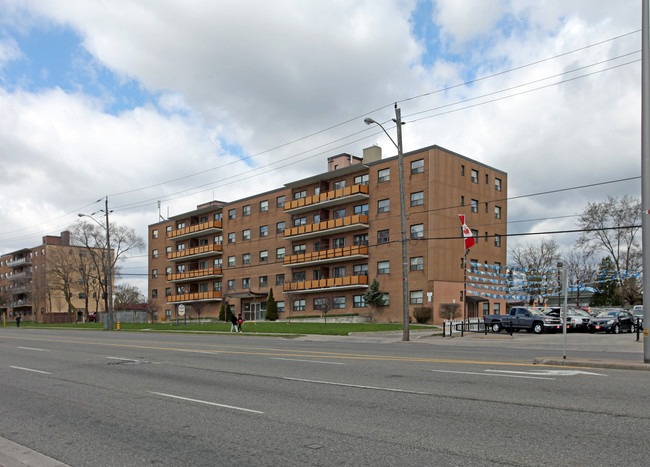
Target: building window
(264, 231)
(203, 288)
(338, 185)
(338, 303)
(361, 179)
(218, 216)
(216, 286)
(154, 253)
(300, 194)
(383, 205)
(299, 276)
(299, 249)
(246, 210)
(279, 227)
(417, 263)
(417, 231)
(154, 273)
(474, 176)
(383, 267)
(298, 221)
(360, 239)
(264, 281)
(462, 201)
(218, 239)
(246, 258)
(168, 270)
(279, 279)
(360, 270)
(417, 167)
(279, 201)
(497, 240)
(338, 271)
(361, 209)
(168, 292)
(231, 284)
(320, 304)
(246, 234)
(358, 301)
(264, 256)
(497, 184)
(154, 293)
(415, 297)
(154, 233)
(383, 236)
(168, 229)
(339, 213)
(497, 308)
(417, 198)
(280, 306)
(474, 205)
(299, 305)
(231, 237)
(383, 175)
(279, 253)
(264, 205)
(338, 242)
(231, 214)
(386, 299)
(246, 283)
(462, 170)
(231, 261)
(497, 212)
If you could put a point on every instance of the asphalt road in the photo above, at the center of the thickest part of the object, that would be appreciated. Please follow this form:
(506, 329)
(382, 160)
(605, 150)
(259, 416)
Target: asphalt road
(113, 399)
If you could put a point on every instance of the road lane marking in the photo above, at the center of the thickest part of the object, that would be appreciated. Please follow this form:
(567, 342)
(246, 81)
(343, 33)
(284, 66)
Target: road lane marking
(205, 402)
(33, 348)
(490, 374)
(30, 369)
(549, 372)
(308, 361)
(358, 386)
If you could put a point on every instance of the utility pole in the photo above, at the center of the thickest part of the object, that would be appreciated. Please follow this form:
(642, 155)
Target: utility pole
(645, 170)
(402, 208)
(109, 271)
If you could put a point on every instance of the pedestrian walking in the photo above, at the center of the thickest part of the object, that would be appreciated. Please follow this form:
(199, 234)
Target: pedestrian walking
(240, 321)
(233, 323)
(18, 321)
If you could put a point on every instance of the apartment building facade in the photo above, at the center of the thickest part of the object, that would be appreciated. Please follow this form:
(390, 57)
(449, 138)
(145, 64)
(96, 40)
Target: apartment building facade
(319, 242)
(32, 281)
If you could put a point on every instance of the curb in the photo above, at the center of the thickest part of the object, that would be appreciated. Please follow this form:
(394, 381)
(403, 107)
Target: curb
(591, 363)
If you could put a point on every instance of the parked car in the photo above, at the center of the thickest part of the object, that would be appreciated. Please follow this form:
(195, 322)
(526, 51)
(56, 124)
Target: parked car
(577, 318)
(612, 321)
(532, 320)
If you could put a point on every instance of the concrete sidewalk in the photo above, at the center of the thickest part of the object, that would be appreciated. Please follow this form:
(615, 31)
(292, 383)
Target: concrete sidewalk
(15, 455)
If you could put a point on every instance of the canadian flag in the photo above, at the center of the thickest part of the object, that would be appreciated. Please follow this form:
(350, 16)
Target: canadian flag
(467, 233)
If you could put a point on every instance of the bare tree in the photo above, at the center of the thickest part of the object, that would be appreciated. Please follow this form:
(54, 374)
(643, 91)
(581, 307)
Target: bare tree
(537, 259)
(63, 275)
(612, 226)
(449, 311)
(152, 311)
(127, 294)
(199, 307)
(583, 270)
(324, 305)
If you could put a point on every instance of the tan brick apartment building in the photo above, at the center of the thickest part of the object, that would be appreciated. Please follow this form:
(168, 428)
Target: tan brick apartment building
(320, 241)
(30, 280)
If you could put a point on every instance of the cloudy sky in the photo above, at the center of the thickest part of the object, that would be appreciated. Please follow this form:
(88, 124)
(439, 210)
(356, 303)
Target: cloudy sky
(181, 102)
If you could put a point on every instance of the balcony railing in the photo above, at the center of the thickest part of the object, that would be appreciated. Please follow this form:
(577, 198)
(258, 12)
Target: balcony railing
(347, 253)
(20, 276)
(197, 229)
(329, 198)
(19, 262)
(195, 297)
(347, 282)
(193, 275)
(205, 250)
(328, 227)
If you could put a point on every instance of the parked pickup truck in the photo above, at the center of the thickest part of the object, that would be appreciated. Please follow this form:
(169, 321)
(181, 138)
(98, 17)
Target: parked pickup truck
(519, 317)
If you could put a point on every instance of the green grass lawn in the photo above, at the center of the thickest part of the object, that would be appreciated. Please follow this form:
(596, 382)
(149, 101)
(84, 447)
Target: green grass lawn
(266, 327)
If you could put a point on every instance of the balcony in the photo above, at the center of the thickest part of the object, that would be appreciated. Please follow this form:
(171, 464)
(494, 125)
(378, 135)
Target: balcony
(198, 274)
(329, 227)
(197, 252)
(196, 230)
(336, 283)
(21, 303)
(335, 255)
(195, 297)
(19, 262)
(19, 290)
(345, 195)
(17, 276)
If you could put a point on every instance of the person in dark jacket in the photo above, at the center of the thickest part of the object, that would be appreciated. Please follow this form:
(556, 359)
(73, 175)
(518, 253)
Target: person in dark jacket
(18, 321)
(233, 323)
(240, 321)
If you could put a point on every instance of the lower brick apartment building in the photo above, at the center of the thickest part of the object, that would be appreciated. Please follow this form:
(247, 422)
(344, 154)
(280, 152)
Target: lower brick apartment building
(34, 281)
(320, 241)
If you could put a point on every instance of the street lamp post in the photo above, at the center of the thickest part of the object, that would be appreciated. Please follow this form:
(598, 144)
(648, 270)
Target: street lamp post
(402, 206)
(108, 301)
